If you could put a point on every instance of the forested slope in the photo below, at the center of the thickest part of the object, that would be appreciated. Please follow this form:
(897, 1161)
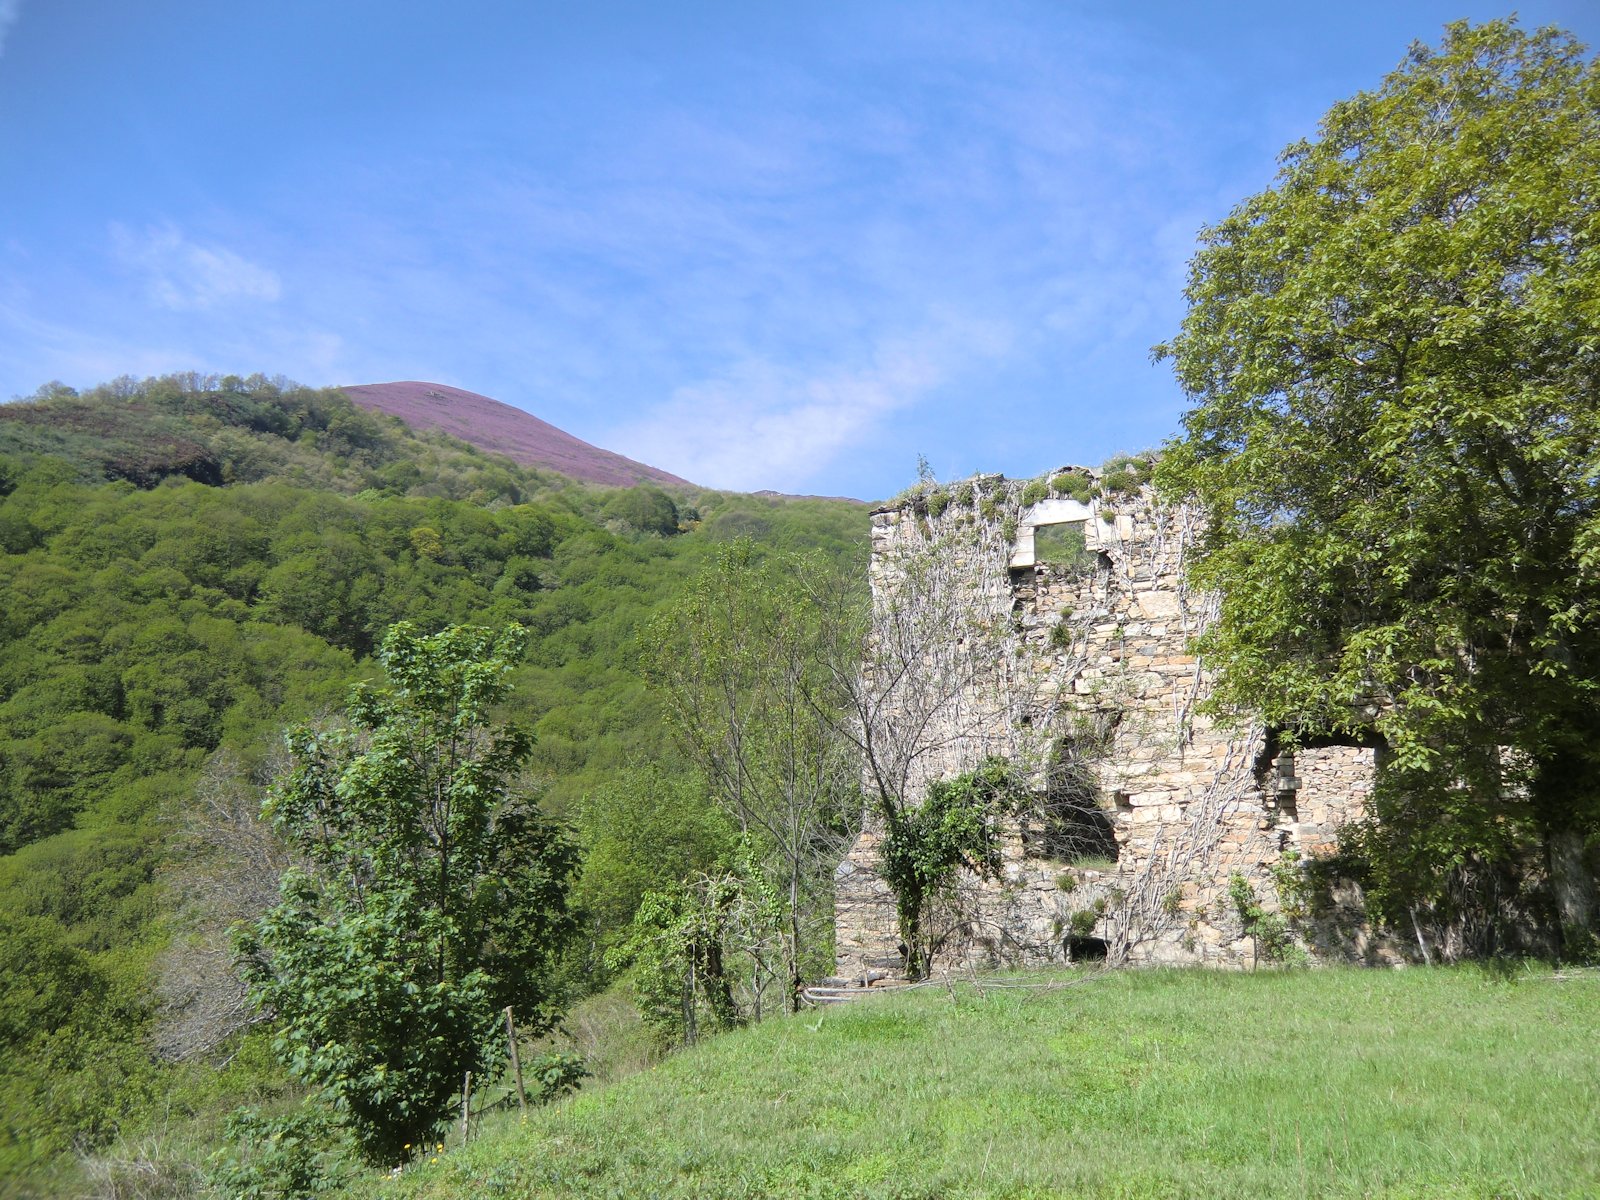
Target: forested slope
(188, 565)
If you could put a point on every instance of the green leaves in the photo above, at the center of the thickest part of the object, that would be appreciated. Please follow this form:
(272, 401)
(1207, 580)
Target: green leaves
(681, 947)
(956, 825)
(747, 666)
(1395, 427)
(432, 896)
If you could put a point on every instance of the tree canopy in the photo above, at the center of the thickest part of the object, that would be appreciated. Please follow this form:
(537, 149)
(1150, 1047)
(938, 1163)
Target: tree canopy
(432, 895)
(1393, 356)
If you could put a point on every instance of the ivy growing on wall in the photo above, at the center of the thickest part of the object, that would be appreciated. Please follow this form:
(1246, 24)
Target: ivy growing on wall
(955, 826)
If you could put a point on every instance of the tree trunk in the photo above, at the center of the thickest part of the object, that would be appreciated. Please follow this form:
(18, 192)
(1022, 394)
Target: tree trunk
(1564, 795)
(715, 984)
(1572, 887)
(911, 934)
(796, 984)
(690, 1034)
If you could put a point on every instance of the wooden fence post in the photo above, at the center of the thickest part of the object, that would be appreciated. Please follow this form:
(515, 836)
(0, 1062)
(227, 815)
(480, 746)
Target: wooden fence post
(516, 1060)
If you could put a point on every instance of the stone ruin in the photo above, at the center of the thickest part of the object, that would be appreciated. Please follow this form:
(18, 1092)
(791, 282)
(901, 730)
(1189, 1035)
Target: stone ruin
(1055, 631)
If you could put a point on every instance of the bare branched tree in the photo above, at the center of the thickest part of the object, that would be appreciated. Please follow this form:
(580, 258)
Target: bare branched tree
(741, 663)
(226, 871)
(942, 682)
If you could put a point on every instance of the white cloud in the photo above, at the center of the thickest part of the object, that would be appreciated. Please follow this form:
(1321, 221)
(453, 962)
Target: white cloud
(10, 10)
(94, 344)
(750, 295)
(186, 275)
(760, 425)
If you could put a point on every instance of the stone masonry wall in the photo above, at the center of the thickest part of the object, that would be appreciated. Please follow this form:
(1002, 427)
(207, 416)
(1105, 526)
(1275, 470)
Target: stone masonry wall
(1099, 674)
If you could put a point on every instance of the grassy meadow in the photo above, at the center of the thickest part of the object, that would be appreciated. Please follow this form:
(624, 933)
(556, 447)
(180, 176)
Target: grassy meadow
(1450, 1082)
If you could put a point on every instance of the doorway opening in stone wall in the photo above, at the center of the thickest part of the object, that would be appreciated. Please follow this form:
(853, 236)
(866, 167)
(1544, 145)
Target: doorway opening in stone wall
(1085, 948)
(1070, 824)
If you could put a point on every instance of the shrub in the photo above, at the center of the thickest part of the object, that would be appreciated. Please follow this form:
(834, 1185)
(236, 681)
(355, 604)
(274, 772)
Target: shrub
(281, 1158)
(1269, 931)
(955, 825)
(555, 1074)
(1124, 475)
(1078, 487)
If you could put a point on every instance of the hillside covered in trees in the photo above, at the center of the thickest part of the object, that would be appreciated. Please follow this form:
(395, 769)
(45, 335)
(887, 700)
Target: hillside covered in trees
(190, 565)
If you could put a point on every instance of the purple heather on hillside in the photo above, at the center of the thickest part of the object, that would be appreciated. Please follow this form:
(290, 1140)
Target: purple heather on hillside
(502, 429)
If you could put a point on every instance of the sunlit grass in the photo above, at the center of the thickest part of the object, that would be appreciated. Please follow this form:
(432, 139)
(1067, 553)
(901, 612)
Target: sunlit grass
(1172, 1084)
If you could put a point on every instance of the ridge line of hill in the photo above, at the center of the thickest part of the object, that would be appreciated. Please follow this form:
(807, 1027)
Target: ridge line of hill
(505, 429)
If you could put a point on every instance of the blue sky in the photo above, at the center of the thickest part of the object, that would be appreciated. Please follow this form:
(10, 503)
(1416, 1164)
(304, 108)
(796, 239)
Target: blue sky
(759, 245)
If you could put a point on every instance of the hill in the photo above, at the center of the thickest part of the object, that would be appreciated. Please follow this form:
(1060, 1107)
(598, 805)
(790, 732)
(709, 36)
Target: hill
(501, 429)
(190, 564)
(225, 430)
(1333, 1082)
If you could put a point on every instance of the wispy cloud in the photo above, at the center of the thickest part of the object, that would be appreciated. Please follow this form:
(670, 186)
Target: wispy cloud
(183, 275)
(761, 424)
(44, 350)
(10, 10)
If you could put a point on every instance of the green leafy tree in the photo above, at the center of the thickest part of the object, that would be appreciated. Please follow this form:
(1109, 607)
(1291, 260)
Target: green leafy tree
(1393, 361)
(689, 945)
(647, 509)
(70, 1074)
(432, 893)
(646, 829)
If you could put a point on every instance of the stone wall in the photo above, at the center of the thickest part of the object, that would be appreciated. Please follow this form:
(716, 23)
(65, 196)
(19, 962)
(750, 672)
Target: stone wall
(1083, 668)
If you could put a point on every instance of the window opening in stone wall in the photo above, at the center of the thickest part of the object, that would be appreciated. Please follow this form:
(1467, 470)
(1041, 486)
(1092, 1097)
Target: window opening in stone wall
(1069, 824)
(1064, 547)
(1277, 765)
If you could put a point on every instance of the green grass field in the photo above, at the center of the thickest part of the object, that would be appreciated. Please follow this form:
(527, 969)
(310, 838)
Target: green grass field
(1129, 1084)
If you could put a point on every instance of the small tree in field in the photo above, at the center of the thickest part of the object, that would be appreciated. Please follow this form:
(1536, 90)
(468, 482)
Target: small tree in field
(432, 895)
